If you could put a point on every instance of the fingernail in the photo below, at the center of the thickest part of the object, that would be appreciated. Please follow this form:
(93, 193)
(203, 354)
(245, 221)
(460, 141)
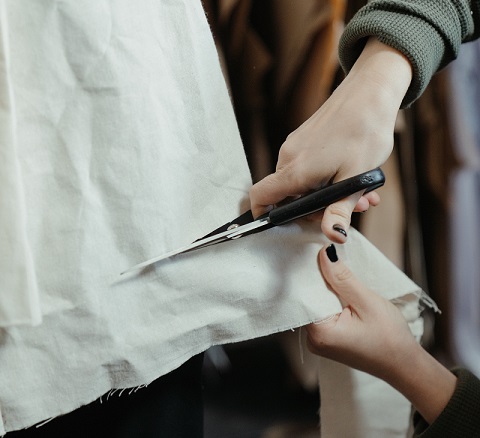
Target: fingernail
(332, 253)
(339, 229)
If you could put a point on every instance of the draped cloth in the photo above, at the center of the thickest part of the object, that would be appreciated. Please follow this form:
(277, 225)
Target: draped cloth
(119, 143)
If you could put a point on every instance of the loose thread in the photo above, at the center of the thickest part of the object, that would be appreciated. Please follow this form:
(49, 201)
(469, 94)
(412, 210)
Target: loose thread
(325, 320)
(45, 422)
(112, 391)
(300, 346)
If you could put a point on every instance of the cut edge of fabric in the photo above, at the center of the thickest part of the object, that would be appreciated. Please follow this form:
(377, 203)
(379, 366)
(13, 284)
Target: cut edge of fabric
(424, 301)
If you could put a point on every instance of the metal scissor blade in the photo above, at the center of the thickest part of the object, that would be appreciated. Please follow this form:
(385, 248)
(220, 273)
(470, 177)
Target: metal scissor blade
(233, 233)
(313, 202)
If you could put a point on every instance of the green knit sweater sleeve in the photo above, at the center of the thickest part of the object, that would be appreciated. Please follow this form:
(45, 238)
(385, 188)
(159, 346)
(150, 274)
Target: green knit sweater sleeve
(461, 416)
(428, 32)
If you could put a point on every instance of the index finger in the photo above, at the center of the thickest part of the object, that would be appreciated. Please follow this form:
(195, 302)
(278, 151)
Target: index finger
(273, 189)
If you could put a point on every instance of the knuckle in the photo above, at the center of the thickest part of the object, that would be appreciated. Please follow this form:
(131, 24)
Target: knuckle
(343, 275)
(286, 153)
(293, 175)
(340, 211)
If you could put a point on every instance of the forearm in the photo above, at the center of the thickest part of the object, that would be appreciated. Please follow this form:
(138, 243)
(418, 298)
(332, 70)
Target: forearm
(426, 383)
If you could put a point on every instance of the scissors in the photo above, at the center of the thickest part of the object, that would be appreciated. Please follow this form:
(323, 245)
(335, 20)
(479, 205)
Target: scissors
(246, 224)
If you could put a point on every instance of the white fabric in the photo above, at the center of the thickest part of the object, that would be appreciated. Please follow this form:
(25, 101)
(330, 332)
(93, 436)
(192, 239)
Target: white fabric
(120, 144)
(357, 405)
(18, 288)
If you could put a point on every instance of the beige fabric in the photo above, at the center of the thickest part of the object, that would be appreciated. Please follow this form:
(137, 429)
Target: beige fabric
(18, 288)
(126, 147)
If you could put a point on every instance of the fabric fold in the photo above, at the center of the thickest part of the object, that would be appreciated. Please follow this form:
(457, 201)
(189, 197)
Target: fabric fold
(19, 296)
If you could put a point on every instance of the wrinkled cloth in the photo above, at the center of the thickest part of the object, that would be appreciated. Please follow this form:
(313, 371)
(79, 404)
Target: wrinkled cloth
(119, 143)
(19, 300)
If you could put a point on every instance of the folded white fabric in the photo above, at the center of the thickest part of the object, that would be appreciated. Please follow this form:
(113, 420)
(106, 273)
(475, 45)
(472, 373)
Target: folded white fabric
(137, 329)
(125, 146)
(18, 289)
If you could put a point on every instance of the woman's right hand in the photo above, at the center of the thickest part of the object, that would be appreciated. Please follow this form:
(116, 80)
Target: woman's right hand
(350, 134)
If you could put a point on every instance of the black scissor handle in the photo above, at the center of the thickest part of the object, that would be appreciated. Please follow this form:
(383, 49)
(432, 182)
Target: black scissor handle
(325, 196)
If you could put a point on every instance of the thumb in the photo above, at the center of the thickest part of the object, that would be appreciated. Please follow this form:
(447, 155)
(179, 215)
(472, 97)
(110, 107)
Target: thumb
(341, 279)
(337, 217)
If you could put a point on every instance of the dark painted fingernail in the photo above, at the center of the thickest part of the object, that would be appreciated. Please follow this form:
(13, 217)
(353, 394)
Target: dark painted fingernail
(340, 230)
(332, 253)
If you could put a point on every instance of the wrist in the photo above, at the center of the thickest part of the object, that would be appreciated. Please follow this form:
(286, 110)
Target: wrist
(382, 75)
(426, 383)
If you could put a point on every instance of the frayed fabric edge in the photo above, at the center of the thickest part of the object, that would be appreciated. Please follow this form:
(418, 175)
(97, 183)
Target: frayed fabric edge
(424, 301)
(428, 301)
(2, 425)
(107, 395)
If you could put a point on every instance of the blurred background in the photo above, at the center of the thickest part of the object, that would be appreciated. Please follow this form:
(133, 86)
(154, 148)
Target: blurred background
(280, 62)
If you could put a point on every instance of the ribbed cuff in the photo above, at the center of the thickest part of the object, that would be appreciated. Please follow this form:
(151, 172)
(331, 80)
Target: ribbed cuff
(424, 48)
